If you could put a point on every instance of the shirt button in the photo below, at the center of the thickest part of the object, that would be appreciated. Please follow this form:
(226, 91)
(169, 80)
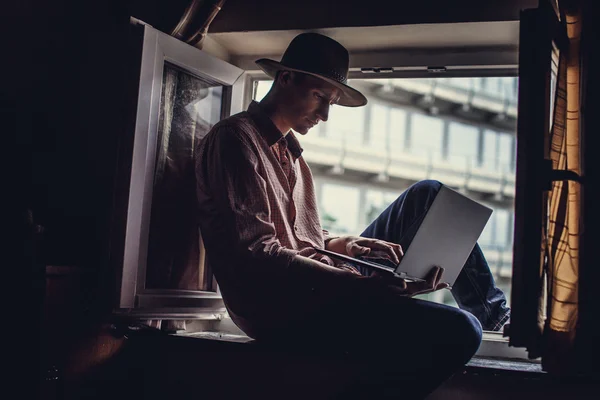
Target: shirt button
(296, 228)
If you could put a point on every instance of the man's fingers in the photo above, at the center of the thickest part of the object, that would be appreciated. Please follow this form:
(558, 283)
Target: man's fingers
(440, 275)
(381, 245)
(431, 283)
(358, 250)
(390, 279)
(432, 276)
(402, 283)
(398, 250)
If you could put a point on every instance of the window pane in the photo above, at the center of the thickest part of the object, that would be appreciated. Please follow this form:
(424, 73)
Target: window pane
(397, 128)
(462, 144)
(339, 209)
(493, 87)
(346, 123)
(189, 108)
(262, 88)
(486, 240)
(463, 83)
(426, 136)
(375, 204)
(378, 126)
(490, 149)
(478, 84)
(502, 226)
(505, 149)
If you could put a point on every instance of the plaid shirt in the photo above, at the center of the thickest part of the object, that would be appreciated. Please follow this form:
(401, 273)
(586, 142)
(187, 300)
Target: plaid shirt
(258, 212)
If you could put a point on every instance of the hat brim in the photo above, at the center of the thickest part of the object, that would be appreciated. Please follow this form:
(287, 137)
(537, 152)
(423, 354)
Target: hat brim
(349, 97)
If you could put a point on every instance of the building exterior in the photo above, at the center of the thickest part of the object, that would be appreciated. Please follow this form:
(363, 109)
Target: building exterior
(460, 131)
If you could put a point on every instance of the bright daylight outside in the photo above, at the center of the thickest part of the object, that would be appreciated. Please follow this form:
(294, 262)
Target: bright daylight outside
(460, 131)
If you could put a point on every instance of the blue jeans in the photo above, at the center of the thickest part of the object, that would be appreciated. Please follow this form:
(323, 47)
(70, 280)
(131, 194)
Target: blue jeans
(474, 290)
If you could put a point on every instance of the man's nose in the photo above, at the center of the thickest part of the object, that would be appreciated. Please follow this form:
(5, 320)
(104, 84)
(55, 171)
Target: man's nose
(323, 112)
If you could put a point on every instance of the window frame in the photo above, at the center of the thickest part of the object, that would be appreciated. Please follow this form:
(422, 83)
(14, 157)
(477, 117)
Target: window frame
(493, 344)
(129, 239)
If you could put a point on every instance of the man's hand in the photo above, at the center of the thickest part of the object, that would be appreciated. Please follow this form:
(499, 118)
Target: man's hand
(349, 268)
(431, 284)
(355, 246)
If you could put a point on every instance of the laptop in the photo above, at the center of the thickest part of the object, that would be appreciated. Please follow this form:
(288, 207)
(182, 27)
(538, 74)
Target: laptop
(446, 237)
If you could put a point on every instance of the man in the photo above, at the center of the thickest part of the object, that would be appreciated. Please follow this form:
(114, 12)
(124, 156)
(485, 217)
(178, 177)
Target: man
(259, 220)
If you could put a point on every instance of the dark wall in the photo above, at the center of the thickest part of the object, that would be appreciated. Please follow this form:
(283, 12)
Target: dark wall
(62, 74)
(75, 101)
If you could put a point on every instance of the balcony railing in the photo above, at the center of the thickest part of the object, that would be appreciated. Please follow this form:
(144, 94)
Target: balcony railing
(324, 152)
(500, 100)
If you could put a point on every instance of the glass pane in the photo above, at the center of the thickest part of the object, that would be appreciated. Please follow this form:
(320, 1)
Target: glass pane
(462, 144)
(463, 83)
(502, 221)
(493, 87)
(505, 152)
(478, 84)
(378, 131)
(376, 202)
(339, 209)
(374, 205)
(489, 160)
(426, 136)
(397, 129)
(486, 240)
(346, 124)
(553, 79)
(189, 108)
(261, 89)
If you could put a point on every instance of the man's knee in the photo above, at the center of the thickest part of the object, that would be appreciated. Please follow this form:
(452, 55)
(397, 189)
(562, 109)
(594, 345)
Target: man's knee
(468, 330)
(421, 193)
(426, 185)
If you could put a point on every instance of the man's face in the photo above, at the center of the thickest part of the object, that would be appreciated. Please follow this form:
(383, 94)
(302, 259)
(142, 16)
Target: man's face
(307, 101)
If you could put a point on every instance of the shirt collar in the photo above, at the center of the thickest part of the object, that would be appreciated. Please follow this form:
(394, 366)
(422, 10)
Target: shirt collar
(270, 132)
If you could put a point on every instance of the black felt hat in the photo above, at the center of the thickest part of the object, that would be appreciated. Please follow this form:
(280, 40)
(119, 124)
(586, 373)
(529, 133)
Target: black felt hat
(319, 56)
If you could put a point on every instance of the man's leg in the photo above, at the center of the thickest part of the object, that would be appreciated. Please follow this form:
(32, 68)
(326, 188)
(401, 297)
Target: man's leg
(474, 289)
(394, 346)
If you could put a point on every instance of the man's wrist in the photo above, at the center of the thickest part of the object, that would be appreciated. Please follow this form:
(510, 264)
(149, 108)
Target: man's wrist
(328, 241)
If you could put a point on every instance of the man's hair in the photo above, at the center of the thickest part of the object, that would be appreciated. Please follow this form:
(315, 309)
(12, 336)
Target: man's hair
(297, 77)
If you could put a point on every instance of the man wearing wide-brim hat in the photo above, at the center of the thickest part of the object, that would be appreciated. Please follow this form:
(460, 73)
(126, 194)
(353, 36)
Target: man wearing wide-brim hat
(260, 224)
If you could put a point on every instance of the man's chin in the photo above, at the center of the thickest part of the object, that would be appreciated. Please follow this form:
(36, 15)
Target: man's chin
(303, 130)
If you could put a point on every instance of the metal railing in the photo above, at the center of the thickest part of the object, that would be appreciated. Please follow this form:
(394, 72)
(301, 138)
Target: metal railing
(338, 155)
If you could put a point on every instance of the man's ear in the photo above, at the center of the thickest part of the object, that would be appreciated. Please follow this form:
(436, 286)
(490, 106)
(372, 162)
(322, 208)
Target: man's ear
(285, 78)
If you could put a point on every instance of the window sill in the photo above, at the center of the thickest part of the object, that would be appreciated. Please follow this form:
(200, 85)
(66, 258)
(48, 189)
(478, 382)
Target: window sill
(501, 365)
(494, 345)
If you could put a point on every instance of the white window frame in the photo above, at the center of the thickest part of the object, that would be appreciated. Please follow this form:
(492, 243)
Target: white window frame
(134, 299)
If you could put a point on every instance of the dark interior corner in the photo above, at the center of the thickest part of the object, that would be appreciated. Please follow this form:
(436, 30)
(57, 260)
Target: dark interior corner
(65, 102)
